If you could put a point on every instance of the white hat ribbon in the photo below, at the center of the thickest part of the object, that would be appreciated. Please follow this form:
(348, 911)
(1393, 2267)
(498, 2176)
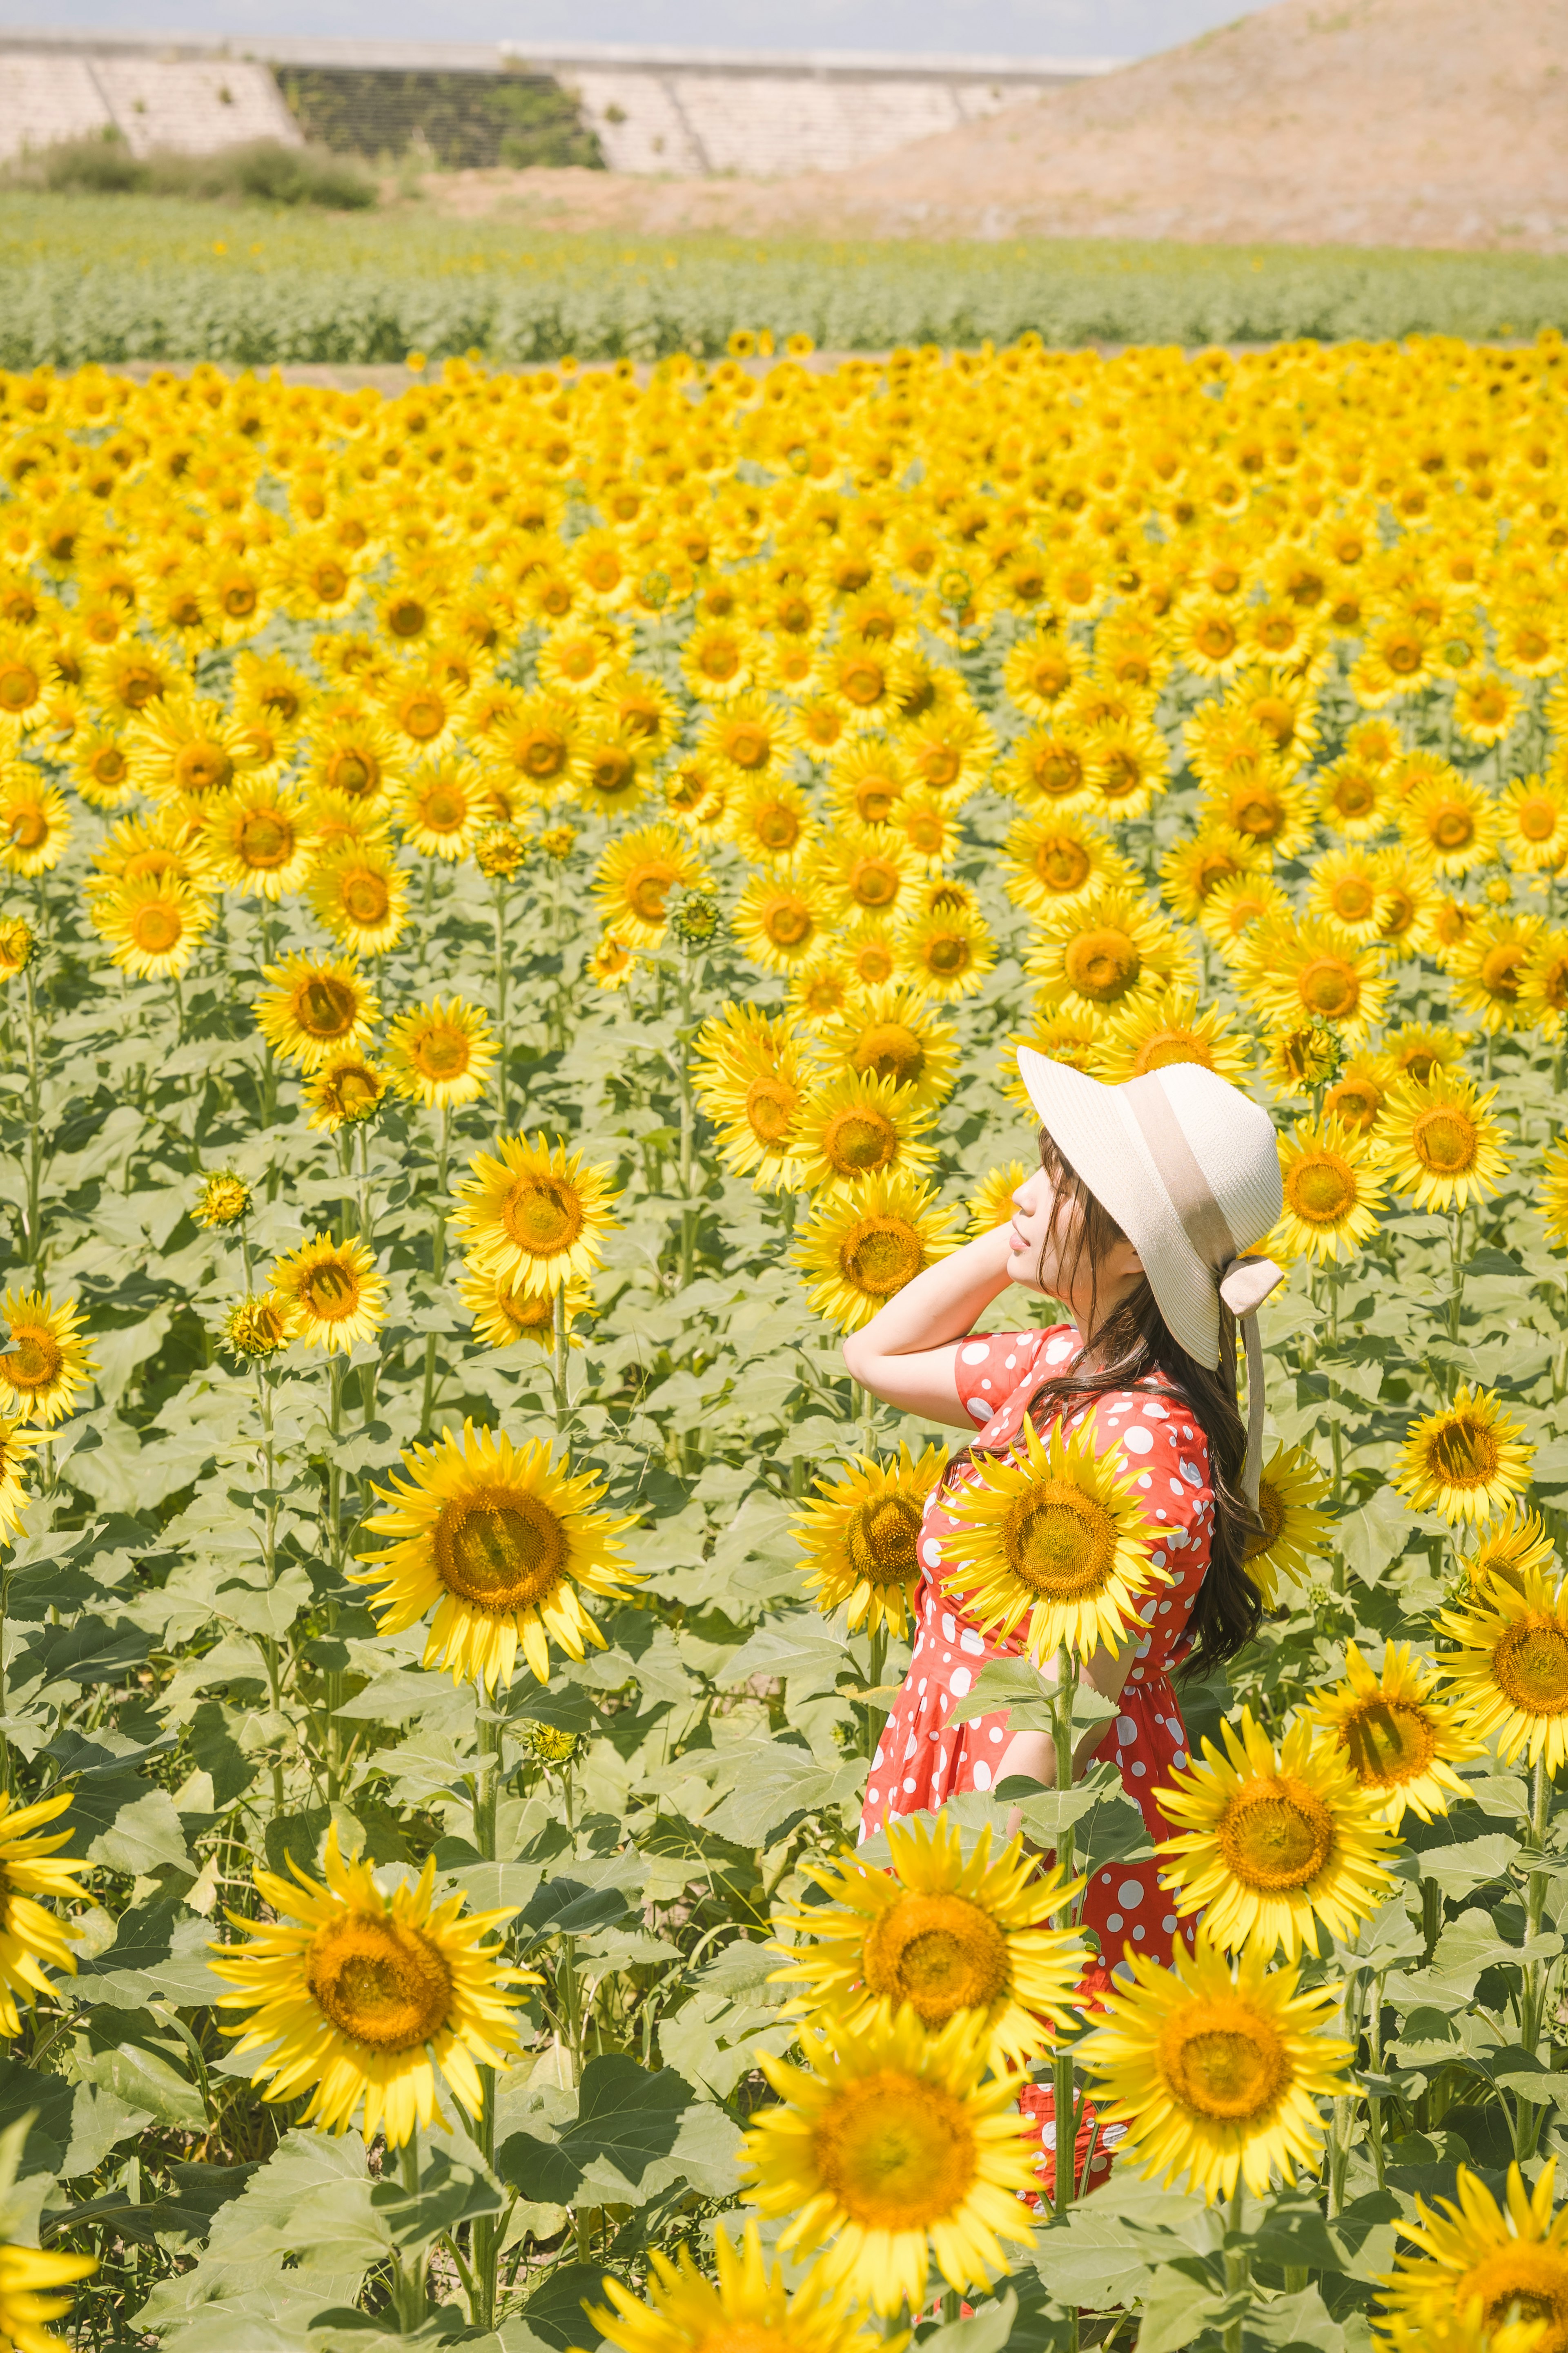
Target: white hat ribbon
(1244, 1277)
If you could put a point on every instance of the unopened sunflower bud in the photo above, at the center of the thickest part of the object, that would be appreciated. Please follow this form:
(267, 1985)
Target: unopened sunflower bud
(694, 920)
(223, 1200)
(547, 1744)
(558, 840)
(501, 852)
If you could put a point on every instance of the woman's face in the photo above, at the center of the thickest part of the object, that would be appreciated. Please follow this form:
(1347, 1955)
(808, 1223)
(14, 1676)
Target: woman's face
(1052, 1263)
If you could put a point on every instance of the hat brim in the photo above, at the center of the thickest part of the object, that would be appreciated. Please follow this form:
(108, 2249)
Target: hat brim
(1103, 1143)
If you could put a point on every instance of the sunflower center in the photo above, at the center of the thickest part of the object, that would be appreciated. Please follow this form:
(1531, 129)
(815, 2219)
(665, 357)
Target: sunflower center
(1529, 1667)
(875, 799)
(366, 898)
(769, 1107)
(947, 954)
(34, 1361)
(109, 766)
(897, 2154)
(444, 810)
(542, 1215)
(880, 1255)
(1537, 820)
(331, 1291)
(1354, 899)
(356, 1093)
(1321, 1191)
(1103, 965)
(499, 1549)
(326, 1006)
(443, 1053)
(1223, 2063)
(942, 1952)
(1271, 1513)
(1526, 2283)
(874, 883)
(777, 827)
(1463, 1452)
(647, 892)
(1355, 796)
(879, 1540)
(29, 828)
(156, 927)
(379, 1981)
(19, 687)
(542, 756)
(1444, 1140)
(352, 772)
(612, 770)
(749, 746)
(424, 716)
(264, 842)
(1058, 1541)
(1056, 770)
(202, 768)
(1062, 864)
(1502, 969)
(891, 1051)
(788, 922)
(859, 1141)
(863, 683)
(1276, 1834)
(1389, 1741)
(1258, 814)
(526, 1311)
(1450, 826)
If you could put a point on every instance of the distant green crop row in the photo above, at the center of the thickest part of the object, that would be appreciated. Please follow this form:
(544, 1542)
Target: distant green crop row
(120, 279)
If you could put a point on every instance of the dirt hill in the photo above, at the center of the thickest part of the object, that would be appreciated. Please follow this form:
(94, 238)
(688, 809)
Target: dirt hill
(1422, 123)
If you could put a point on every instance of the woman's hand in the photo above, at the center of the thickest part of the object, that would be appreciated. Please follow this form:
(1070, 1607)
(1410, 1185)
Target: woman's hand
(906, 1355)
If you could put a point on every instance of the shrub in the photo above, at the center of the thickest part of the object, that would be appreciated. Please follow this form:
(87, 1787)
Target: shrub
(102, 164)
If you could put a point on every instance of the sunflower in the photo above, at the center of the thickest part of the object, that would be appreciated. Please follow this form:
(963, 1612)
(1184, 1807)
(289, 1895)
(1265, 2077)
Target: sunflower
(1040, 673)
(16, 1442)
(1516, 1548)
(534, 1215)
(1510, 1670)
(1258, 801)
(332, 1291)
(442, 809)
(1543, 985)
(259, 1327)
(1553, 1206)
(946, 951)
(748, 1079)
(1399, 657)
(890, 2151)
(1487, 969)
(345, 1090)
(1345, 889)
(35, 823)
(1271, 1847)
(1504, 2276)
(1486, 709)
(152, 927)
(635, 879)
(46, 1361)
(859, 1125)
(29, 2279)
(864, 871)
(1233, 909)
(945, 1932)
(1465, 1460)
(538, 740)
(770, 822)
(820, 991)
(222, 1198)
(858, 1540)
(1319, 972)
(777, 921)
(1055, 1532)
(1215, 2068)
(360, 894)
(1332, 1197)
(868, 780)
(891, 1033)
(1048, 767)
(503, 1314)
(256, 843)
(1532, 825)
(683, 2311)
(1438, 1143)
(1106, 955)
(1401, 1743)
(1449, 824)
(501, 1543)
(1350, 798)
(185, 753)
(356, 1995)
(101, 771)
(863, 1243)
(1197, 864)
(1292, 1528)
(990, 1205)
(441, 1054)
(1358, 1095)
(1416, 1049)
(1051, 861)
(1171, 1029)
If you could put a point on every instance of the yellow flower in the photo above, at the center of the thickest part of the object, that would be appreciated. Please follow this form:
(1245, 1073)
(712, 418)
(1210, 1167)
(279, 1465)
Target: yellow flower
(1510, 1672)
(259, 1327)
(1316, 972)
(950, 1935)
(1487, 969)
(30, 2277)
(748, 1080)
(1503, 2274)
(366, 1998)
(864, 1243)
(892, 2150)
(46, 1361)
(1197, 865)
(1516, 1547)
(1055, 1534)
(1449, 824)
(15, 1444)
(1171, 1029)
(501, 1544)
(857, 1126)
(864, 870)
(1356, 1099)
(442, 810)
(153, 926)
(1553, 1206)
(748, 2307)
(892, 1033)
(258, 843)
(1543, 985)
(1292, 1529)
(333, 1292)
(771, 823)
(990, 1205)
(1532, 824)
(223, 1199)
(1216, 2067)
(1464, 1460)
(35, 823)
(534, 1214)
(360, 894)
(503, 1314)
(16, 948)
(1401, 1743)
(1438, 1145)
(946, 951)
(1107, 954)
(612, 962)
(1331, 1195)
(1346, 890)
(1352, 798)
(637, 874)
(441, 1054)
(858, 1537)
(1270, 1847)
(31, 1935)
(344, 1091)
(317, 1006)
(776, 922)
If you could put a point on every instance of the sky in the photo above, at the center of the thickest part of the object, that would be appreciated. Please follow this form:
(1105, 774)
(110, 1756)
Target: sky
(1007, 27)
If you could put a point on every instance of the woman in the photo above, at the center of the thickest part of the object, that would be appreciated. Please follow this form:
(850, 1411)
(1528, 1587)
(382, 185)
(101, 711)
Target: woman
(1133, 1221)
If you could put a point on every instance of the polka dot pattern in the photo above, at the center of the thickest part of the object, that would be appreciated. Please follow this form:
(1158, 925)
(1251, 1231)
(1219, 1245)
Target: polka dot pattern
(920, 1763)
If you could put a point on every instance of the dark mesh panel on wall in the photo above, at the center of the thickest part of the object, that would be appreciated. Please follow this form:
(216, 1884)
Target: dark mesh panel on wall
(465, 120)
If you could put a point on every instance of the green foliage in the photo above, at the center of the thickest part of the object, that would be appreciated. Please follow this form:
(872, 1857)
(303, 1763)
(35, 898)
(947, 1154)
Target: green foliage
(259, 171)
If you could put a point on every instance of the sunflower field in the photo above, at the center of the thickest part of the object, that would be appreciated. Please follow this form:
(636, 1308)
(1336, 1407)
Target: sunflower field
(519, 904)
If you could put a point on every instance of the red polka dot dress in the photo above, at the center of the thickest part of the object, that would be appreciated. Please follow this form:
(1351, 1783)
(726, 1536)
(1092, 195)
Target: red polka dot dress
(920, 1764)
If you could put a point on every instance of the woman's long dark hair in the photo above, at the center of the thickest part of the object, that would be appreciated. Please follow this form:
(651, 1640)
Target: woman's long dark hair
(1134, 1342)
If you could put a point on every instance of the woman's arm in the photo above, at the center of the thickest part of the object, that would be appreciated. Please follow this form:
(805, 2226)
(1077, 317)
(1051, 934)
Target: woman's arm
(906, 1354)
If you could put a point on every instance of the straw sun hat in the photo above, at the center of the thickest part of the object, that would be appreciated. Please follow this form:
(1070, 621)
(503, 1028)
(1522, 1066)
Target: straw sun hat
(1188, 1167)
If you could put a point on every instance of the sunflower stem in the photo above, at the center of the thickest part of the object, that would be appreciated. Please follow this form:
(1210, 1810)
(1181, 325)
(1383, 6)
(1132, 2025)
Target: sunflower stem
(1532, 2004)
(1374, 2067)
(334, 1680)
(437, 1262)
(498, 888)
(1237, 2268)
(410, 2295)
(269, 1558)
(1457, 1275)
(871, 1731)
(35, 1138)
(486, 2236)
(562, 1363)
